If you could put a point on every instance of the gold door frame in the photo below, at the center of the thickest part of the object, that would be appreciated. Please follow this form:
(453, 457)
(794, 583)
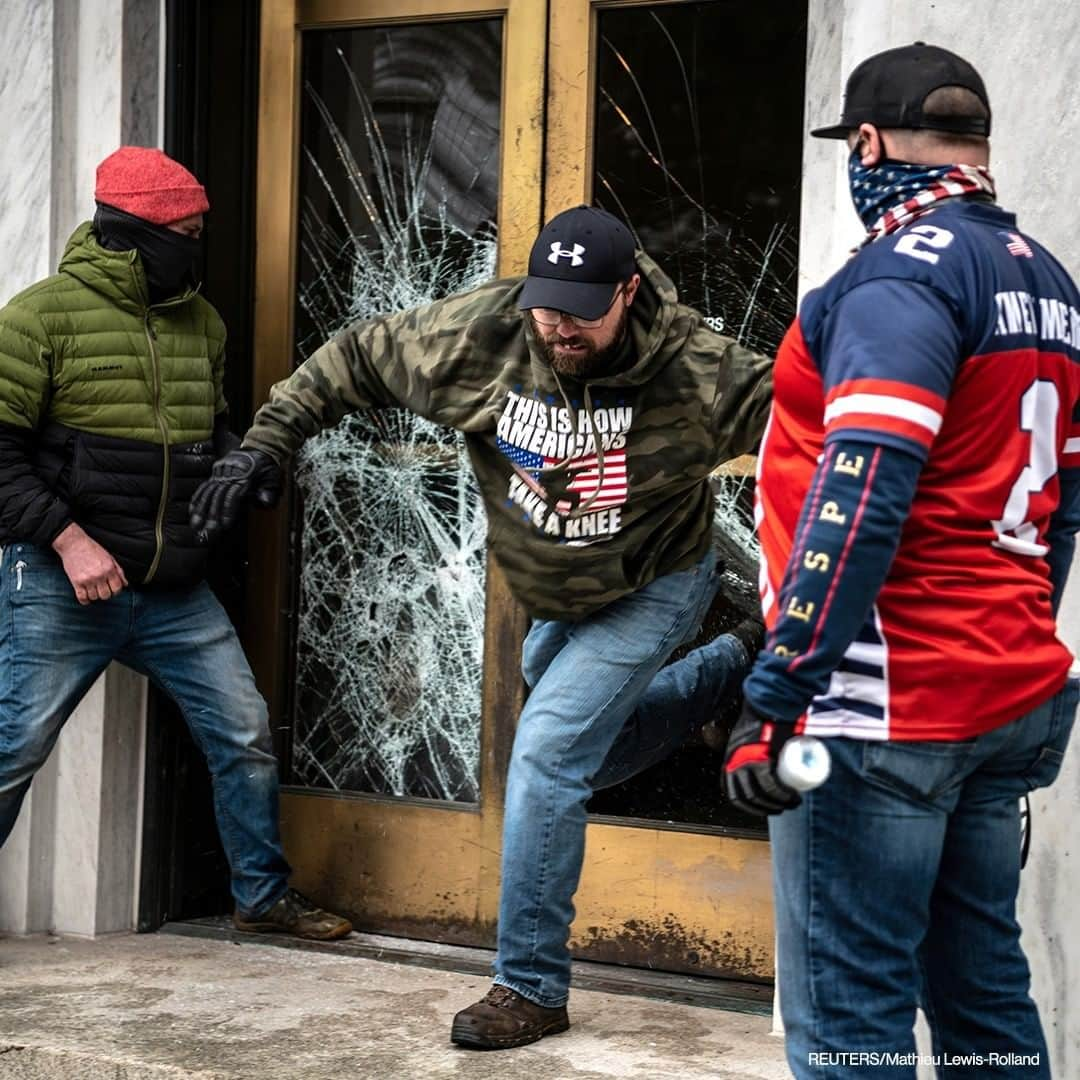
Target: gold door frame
(409, 850)
(655, 895)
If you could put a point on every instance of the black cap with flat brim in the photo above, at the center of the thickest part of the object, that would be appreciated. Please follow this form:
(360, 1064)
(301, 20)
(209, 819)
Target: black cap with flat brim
(889, 89)
(577, 261)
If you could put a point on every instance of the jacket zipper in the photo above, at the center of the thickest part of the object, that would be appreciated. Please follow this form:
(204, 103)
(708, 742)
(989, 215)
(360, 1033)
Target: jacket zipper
(20, 566)
(159, 524)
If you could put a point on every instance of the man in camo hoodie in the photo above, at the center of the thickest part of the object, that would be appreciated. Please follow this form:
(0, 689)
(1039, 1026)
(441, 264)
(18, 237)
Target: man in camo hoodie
(594, 408)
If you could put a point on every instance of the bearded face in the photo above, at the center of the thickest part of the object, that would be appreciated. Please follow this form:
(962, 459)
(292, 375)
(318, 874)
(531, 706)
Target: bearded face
(577, 352)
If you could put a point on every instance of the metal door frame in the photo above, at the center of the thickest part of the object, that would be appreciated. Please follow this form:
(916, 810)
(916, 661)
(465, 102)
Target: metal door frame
(652, 893)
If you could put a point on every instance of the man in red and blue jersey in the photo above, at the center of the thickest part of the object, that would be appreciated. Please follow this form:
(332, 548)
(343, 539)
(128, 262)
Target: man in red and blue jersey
(918, 496)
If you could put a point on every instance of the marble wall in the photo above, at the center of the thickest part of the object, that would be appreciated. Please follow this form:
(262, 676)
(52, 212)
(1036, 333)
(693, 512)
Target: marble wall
(1026, 55)
(26, 79)
(83, 79)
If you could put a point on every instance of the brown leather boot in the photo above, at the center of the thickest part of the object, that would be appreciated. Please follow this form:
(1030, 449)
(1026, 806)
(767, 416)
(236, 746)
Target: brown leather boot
(502, 1018)
(294, 914)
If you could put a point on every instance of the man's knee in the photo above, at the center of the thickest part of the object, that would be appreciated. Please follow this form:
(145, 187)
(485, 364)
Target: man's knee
(550, 752)
(242, 730)
(25, 744)
(536, 751)
(253, 729)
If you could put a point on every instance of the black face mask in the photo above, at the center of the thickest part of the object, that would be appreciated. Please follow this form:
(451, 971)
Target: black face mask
(168, 257)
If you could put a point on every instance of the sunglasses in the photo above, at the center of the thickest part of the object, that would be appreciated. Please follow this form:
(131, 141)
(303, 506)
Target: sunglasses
(550, 317)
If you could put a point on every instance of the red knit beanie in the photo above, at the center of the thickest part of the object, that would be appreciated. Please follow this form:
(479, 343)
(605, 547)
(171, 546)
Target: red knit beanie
(148, 184)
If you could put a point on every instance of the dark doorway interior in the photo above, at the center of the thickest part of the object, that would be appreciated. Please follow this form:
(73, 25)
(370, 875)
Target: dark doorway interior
(211, 106)
(704, 160)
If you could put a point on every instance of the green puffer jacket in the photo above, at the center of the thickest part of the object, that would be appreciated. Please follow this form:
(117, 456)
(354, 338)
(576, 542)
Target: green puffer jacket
(591, 489)
(107, 411)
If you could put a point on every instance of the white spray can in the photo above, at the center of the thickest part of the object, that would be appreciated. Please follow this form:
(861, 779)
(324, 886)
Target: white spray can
(804, 763)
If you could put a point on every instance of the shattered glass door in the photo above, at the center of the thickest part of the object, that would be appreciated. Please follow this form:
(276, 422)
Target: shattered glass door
(398, 191)
(698, 127)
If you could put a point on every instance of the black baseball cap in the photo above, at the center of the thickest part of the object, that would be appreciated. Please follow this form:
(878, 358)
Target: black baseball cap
(576, 262)
(888, 91)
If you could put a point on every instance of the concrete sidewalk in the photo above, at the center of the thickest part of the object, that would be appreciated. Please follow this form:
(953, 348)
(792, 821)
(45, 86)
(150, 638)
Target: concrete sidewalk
(151, 1007)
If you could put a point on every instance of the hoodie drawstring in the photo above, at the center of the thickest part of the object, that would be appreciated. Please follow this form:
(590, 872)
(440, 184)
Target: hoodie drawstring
(584, 507)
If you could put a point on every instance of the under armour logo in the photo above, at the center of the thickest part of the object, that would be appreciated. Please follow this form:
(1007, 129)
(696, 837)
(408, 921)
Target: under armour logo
(559, 252)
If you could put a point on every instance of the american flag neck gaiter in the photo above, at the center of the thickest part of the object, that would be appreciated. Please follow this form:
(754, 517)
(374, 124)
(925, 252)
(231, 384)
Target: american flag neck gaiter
(907, 191)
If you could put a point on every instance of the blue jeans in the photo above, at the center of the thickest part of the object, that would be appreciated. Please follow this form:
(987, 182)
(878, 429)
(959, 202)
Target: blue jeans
(51, 651)
(895, 885)
(600, 710)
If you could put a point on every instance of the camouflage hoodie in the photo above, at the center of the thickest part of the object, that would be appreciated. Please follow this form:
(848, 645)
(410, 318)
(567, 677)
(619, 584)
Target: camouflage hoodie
(592, 489)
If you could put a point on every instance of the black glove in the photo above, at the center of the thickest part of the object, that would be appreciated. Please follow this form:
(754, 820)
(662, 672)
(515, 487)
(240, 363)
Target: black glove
(750, 779)
(240, 476)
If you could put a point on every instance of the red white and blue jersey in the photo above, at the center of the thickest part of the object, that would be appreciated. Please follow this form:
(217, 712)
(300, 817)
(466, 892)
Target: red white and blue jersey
(949, 349)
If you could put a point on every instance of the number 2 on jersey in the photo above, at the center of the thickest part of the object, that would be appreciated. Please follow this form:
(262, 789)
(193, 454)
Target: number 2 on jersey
(1038, 417)
(917, 241)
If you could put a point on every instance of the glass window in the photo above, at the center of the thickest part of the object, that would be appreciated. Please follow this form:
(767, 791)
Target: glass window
(398, 185)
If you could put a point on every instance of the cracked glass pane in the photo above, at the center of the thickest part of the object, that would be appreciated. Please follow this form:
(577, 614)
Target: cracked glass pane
(398, 185)
(698, 128)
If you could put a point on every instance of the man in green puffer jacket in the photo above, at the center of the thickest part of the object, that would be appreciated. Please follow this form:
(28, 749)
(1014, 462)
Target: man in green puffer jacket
(111, 414)
(593, 422)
